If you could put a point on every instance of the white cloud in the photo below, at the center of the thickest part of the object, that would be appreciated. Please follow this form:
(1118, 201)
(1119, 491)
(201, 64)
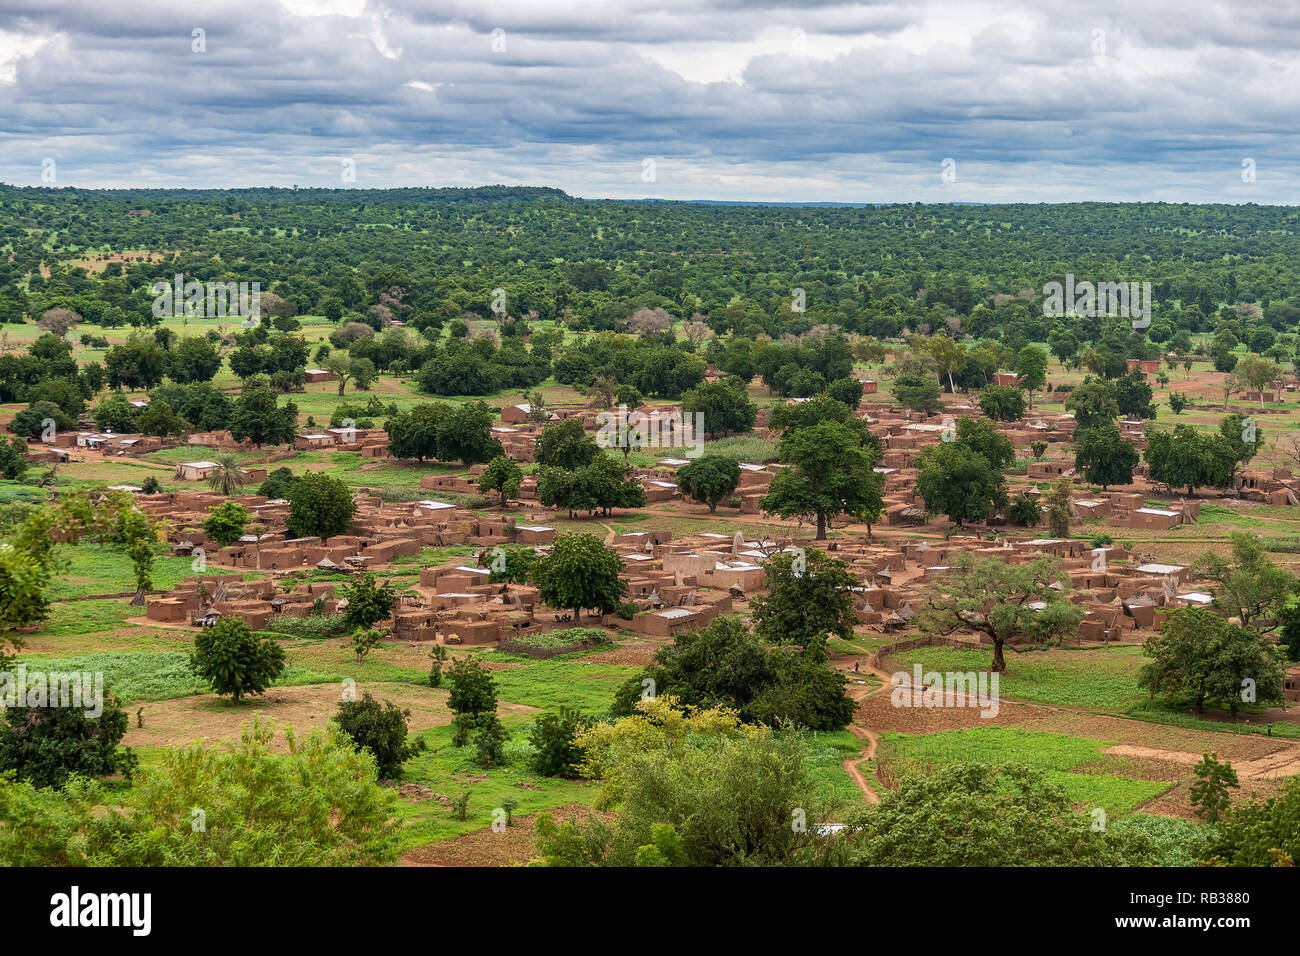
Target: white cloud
(15, 46)
(325, 8)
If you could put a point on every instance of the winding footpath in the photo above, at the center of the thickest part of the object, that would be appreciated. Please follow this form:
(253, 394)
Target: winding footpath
(858, 694)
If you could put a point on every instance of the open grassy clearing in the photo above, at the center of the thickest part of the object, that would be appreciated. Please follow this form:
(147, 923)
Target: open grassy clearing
(1075, 763)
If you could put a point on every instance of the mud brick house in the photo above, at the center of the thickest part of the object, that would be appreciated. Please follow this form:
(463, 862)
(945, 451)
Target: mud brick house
(1291, 685)
(667, 621)
(1145, 366)
(1276, 487)
(130, 444)
(1092, 508)
(716, 569)
(754, 475)
(319, 375)
(195, 470)
(1101, 625)
(1134, 430)
(221, 440)
(1158, 519)
(671, 464)
(315, 439)
(1129, 511)
(449, 484)
(1179, 573)
(519, 414)
(458, 605)
(1192, 599)
(516, 443)
(656, 490)
(1048, 469)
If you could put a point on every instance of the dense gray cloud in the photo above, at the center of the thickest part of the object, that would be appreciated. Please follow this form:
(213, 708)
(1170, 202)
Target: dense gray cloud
(770, 100)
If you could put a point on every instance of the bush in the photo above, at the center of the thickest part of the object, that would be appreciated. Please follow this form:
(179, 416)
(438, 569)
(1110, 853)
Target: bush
(489, 742)
(553, 735)
(1026, 511)
(569, 637)
(439, 655)
(291, 819)
(380, 730)
(363, 641)
(235, 662)
(312, 626)
(45, 745)
(368, 602)
(277, 484)
(225, 523)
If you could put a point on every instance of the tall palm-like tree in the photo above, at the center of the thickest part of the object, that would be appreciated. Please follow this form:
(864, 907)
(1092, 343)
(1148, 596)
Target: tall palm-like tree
(227, 476)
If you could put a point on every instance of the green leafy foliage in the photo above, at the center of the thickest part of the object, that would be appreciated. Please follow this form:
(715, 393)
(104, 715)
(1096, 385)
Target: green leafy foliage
(235, 662)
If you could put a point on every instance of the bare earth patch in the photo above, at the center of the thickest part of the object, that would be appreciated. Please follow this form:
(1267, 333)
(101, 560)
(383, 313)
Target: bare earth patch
(637, 654)
(1151, 753)
(171, 723)
(513, 846)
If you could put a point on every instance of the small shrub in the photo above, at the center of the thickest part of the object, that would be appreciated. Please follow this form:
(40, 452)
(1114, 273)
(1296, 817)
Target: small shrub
(553, 735)
(460, 806)
(380, 730)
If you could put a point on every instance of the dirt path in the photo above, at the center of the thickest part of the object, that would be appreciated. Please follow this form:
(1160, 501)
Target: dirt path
(858, 730)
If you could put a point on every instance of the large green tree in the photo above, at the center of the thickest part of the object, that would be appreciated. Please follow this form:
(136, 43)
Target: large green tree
(1031, 370)
(258, 417)
(809, 598)
(1201, 657)
(580, 572)
(566, 445)
(1092, 404)
(957, 481)
(1187, 458)
(413, 432)
(320, 506)
(1002, 403)
(724, 405)
(234, 661)
(709, 479)
(503, 476)
(830, 474)
(1001, 601)
(1247, 584)
(1103, 456)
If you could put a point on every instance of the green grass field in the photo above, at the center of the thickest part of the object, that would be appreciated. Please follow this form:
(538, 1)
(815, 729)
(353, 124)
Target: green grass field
(1103, 680)
(1061, 756)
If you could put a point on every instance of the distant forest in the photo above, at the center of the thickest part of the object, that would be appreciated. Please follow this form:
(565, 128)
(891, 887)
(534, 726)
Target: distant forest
(434, 257)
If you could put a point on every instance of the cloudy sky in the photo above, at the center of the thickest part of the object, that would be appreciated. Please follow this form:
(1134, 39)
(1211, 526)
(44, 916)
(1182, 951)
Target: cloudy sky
(1025, 100)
